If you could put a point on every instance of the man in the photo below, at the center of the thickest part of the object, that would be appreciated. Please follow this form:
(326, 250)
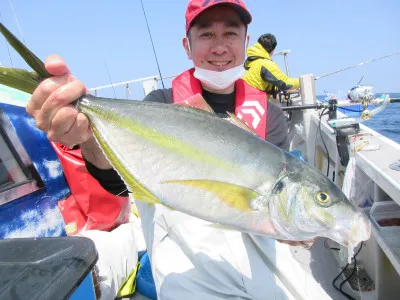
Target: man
(190, 260)
(262, 72)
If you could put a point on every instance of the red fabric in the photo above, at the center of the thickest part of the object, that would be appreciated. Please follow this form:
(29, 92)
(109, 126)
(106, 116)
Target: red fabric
(250, 105)
(196, 7)
(89, 206)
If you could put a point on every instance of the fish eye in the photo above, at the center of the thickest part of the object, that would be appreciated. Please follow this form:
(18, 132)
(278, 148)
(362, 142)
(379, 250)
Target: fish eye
(322, 198)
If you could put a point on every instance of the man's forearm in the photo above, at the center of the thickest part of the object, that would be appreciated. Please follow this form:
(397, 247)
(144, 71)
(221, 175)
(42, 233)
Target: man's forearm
(93, 154)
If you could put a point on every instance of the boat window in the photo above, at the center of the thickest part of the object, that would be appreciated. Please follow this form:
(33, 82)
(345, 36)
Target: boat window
(18, 176)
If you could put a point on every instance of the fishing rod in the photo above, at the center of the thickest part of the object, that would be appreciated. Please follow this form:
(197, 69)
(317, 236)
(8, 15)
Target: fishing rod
(333, 104)
(8, 48)
(355, 66)
(16, 20)
(320, 105)
(152, 44)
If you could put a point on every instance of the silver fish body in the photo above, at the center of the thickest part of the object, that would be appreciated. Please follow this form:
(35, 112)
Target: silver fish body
(202, 165)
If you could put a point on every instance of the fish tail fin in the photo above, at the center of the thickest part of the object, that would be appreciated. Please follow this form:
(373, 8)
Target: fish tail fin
(18, 78)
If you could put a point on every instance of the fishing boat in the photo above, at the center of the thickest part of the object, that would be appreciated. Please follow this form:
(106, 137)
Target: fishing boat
(356, 158)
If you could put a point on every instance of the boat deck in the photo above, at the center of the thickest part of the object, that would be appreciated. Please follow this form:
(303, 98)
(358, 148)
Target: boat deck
(377, 164)
(322, 263)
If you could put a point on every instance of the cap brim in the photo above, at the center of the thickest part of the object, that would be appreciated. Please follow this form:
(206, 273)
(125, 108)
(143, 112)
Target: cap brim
(243, 13)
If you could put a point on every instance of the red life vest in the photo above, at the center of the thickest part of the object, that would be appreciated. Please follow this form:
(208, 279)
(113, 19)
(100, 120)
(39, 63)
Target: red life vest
(250, 105)
(89, 206)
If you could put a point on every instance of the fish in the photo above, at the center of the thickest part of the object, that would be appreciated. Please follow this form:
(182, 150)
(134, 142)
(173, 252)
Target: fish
(188, 159)
(361, 93)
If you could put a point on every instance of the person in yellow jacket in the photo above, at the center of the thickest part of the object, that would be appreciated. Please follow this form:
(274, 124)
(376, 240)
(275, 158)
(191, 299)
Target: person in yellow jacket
(262, 72)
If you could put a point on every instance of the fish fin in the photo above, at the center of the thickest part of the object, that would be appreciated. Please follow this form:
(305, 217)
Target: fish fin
(142, 194)
(197, 101)
(31, 59)
(19, 79)
(236, 121)
(236, 196)
(134, 210)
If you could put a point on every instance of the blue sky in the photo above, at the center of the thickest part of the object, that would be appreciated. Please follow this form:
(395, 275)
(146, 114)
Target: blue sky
(103, 39)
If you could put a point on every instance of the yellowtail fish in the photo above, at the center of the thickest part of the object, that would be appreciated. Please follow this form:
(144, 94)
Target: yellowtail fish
(195, 162)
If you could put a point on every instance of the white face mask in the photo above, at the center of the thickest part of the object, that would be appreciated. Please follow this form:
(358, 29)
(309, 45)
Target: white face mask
(219, 80)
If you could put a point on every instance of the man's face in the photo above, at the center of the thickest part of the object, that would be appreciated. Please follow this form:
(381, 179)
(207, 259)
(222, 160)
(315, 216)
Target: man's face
(217, 40)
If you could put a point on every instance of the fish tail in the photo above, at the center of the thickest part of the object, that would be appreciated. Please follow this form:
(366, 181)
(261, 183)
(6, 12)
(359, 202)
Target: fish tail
(19, 78)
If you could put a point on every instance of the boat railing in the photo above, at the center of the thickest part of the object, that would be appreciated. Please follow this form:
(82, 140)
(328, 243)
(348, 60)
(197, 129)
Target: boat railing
(148, 84)
(376, 177)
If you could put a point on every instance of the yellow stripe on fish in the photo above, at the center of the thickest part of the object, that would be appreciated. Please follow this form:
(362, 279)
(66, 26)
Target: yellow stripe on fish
(236, 196)
(139, 191)
(162, 140)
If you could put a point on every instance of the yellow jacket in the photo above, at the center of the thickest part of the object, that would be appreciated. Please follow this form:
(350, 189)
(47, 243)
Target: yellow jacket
(264, 74)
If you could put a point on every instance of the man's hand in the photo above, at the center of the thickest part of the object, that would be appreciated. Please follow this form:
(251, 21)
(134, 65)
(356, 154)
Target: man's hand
(50, 105)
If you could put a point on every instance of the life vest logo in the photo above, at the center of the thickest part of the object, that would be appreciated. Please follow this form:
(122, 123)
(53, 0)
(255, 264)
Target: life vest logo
(251, 109)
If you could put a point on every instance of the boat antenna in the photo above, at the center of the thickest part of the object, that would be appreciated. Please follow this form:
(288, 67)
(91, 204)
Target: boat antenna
(8, 48)
(152, 44)
(354, 66)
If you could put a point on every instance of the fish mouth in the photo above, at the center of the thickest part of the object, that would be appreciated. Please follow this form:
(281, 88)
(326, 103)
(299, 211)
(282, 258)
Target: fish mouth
(350, 234)
(360, 229)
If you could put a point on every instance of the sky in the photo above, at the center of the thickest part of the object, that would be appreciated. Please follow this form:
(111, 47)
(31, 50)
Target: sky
(107, 42)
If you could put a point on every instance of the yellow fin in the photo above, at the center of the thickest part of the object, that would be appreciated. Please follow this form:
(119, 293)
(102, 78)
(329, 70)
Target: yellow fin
(196, 101)
(134, 210)
(236, 196)
(236, 121)
(19, 79)
(141, 194)
(129, 286)
(31, 59)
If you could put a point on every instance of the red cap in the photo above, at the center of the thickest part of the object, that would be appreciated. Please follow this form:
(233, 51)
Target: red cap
(196, 7)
